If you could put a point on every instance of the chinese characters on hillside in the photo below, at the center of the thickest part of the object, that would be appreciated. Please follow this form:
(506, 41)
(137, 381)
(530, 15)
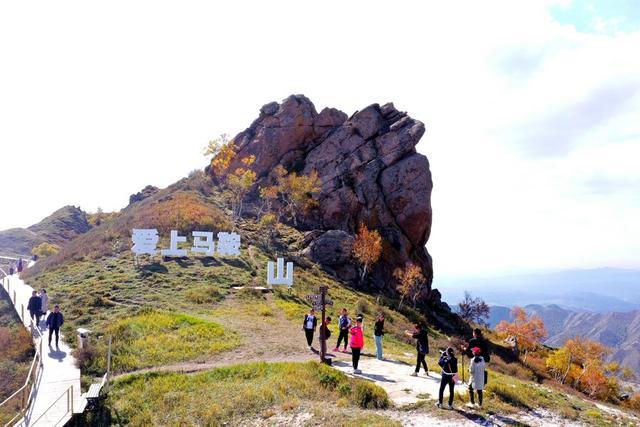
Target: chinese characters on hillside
(145, 241)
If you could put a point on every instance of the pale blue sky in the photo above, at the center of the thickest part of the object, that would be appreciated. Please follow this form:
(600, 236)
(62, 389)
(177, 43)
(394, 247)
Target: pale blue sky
(531, 108)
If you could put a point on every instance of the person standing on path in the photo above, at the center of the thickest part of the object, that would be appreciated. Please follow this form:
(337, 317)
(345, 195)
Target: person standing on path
(309, 326)
(356, 344)
(44, 298)
(449, 365)
(34, 306)
(476, 380)
(378, 333)
(344, 323)
(480, 342)
(55, 320)
(422, 347)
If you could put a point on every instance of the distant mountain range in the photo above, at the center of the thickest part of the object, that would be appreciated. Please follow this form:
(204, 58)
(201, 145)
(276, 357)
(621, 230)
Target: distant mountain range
(620, 331)
(601, 290)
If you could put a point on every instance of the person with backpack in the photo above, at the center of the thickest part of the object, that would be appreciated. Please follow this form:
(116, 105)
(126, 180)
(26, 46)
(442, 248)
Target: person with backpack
(309, 326)
(325, 332)
(478, 341)
(477, 376)
(344, 323)
(422, 347)
(378, 333)
(449, 365)
(34, 306)
(356, 343)
(55, 322)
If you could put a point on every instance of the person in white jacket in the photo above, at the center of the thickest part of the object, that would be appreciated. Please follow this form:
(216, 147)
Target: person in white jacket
(477, 377)
(45, 303)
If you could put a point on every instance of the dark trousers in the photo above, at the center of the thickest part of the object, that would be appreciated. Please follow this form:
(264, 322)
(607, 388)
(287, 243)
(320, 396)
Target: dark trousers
(446, 379)
(355, 357)
(35, 315)
(344, 335)
(421, 361)
(57, 332)
(309, 334)
(471, 395)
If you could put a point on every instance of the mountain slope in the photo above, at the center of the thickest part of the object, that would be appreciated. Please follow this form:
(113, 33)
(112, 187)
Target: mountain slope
(58, 228)
(620, 331)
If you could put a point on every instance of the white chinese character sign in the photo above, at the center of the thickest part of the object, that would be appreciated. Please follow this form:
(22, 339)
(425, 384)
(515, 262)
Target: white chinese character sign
(279, 277)
(145, 241)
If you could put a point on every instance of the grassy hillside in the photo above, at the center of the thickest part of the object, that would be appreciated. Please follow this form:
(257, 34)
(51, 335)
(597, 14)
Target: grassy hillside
(188, 348)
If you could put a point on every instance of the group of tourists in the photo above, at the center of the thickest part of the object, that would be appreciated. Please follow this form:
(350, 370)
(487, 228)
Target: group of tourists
(38, 308)
(350, 333)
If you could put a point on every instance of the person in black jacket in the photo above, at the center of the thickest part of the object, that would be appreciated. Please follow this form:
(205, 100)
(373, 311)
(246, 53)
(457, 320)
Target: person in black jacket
(378, 333)
(449, 365)
(478, 341)
(422, 347)
(55, 322)
(34, 307)
(309, 326)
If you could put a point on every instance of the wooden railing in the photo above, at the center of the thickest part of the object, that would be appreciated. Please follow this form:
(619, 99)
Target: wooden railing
(20, 401)
(68, 396)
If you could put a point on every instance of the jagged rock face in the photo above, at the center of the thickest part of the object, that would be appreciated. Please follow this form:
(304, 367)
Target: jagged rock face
(146, 192)
(369, 170)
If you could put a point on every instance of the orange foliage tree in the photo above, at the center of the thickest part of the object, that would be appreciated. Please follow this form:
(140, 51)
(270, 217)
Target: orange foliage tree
(526, 332)
(411, 282)
(367, 248)
(239, 183)
(223, 152)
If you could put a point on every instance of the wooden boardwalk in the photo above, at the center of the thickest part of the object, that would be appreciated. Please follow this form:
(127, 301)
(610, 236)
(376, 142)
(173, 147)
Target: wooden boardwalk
(57, 394)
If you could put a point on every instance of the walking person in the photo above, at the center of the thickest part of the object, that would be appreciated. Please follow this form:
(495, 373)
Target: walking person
(422, 346)
(20, 265)
(477, 376)
(344, 323)
(378, 333)
(55, 320)
(449, 365)
(34, 306)
(44, 299)
(309, 326)
(356, 344)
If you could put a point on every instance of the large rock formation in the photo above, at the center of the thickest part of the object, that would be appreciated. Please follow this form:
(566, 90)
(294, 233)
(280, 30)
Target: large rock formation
(370, 173)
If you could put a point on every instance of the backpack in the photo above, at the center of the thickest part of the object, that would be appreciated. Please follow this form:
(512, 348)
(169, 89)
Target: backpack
(444, 360)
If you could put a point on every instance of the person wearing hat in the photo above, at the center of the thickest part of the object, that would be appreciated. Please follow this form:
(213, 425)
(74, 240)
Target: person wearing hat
(309, 326)
(356, 343)
(477, 376)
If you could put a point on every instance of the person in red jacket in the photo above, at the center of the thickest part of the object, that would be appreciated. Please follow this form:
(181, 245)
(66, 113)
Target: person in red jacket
(356, 344)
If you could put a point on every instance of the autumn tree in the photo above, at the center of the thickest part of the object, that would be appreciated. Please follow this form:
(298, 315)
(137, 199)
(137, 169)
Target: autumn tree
(367, 248)
(45, 249)
(473, 310)
(526, 332)
(223, 151)
(411, 282)
(239, 183)
(297, 192)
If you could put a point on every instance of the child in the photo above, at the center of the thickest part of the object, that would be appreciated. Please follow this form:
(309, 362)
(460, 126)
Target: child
(344, 323)
(356, 344)
(476, 380)
(449, 365)
(309, 326)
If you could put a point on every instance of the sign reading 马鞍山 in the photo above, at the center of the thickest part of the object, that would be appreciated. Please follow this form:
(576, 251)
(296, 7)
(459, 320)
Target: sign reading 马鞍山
(145, 241)
(279, 277)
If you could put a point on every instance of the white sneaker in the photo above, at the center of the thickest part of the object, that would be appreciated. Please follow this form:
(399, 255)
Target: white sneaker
(450, 407)
(470, 405)
(439, 405)
(414, 374)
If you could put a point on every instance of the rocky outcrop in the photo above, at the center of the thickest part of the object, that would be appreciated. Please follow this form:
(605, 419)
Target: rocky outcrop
(370, 173)
(146, 192)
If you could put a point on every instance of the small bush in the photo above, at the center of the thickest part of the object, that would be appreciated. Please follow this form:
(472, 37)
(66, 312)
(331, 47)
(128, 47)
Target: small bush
(204, 295)
(510, 395)
(362, 306)
(85, 356)
(371, 396)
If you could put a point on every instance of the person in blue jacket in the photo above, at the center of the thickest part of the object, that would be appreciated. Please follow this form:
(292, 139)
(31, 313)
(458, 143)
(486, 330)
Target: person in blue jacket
(55, 322)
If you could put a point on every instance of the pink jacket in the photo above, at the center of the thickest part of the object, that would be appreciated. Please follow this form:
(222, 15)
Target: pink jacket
(357, 338)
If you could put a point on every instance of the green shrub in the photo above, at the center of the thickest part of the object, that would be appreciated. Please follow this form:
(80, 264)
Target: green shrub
(204, 294)
(510, 395)
(371, 396)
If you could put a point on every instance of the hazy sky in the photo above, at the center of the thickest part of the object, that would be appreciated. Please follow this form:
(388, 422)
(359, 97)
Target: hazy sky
(532, 111)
